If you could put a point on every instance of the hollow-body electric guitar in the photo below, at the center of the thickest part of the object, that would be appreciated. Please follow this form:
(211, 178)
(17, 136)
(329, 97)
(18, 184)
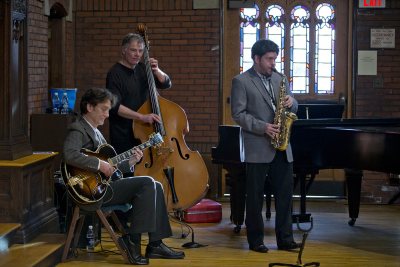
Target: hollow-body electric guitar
(87, 187)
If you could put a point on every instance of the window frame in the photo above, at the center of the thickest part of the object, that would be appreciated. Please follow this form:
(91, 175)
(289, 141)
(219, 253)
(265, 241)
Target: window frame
(230, 56)
(311, 7)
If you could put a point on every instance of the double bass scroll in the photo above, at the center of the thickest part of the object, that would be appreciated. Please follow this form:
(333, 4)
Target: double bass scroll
(181, 171)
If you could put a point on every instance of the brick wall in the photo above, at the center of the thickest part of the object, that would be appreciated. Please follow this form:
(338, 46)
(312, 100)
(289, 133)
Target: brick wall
(378, 96)
(186, 43)
(182, 39)
(70, 55)
(38, 49)
(37, 63)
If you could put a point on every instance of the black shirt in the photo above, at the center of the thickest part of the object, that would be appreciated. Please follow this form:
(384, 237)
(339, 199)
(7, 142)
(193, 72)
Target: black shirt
(132, 89)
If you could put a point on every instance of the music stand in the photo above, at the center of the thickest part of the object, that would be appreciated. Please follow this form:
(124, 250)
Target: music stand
(303, 242)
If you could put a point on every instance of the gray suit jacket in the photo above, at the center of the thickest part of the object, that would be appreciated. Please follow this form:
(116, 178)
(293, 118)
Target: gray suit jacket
(81, 135)
(251, 108)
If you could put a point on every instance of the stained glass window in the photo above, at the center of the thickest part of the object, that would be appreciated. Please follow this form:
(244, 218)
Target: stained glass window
(275, 31)
(249, 34)
(304, 29)
(299, 50)
(325, 50)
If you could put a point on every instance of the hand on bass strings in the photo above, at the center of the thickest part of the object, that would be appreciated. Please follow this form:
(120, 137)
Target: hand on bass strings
(150, 118)
(160, 75)
(154, 64)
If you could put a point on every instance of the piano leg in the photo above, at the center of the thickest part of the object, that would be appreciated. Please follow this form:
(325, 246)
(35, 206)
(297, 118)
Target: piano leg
(303, 216)
(237, 178)
(353, 182)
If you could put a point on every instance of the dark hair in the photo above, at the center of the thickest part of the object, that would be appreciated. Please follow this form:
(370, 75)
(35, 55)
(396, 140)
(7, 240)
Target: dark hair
(263, 46)
(94, 96)
(132, 37)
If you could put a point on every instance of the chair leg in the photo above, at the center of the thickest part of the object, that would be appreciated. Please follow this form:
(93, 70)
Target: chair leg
(118, 223)
(78, 230)
(111, 232)
(70, 235)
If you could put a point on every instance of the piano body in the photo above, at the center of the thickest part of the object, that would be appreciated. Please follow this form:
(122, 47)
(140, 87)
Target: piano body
(350, 144)
(228, 153)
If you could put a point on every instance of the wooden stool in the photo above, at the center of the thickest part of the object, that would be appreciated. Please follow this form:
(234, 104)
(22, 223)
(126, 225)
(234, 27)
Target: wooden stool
(77, 222)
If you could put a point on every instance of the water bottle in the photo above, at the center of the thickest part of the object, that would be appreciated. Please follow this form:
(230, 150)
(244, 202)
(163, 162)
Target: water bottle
(90, 239)
(56, 103)
(64, 106)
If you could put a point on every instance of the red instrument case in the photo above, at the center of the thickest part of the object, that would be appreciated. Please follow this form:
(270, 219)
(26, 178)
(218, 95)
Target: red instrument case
(206, 211)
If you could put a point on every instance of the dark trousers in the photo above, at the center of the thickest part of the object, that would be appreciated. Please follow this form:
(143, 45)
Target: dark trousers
(149, 212)
(280, 173)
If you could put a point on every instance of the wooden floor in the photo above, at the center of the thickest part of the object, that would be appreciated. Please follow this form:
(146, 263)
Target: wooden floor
(373, 241)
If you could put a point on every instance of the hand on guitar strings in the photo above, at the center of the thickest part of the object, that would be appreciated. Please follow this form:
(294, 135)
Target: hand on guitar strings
(136, 156)
(106, 168)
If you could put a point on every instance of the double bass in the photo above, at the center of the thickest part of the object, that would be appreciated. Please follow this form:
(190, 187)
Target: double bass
(181, 171)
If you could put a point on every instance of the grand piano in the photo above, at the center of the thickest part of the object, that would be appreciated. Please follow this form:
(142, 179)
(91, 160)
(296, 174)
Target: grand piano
(330, 143)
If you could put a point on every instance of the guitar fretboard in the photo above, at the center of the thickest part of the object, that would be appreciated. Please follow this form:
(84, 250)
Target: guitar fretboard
(127, 154)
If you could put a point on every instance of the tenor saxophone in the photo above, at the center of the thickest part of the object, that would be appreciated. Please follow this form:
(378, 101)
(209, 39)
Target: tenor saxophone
(283, 118)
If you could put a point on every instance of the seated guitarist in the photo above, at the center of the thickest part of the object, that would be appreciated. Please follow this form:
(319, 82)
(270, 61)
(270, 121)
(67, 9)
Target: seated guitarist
(144, 193)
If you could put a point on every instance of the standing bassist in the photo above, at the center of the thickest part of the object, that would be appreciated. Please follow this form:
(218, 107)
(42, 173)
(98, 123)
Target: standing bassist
(128, 81)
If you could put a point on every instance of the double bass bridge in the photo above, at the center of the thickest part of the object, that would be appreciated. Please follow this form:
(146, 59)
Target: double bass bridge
(164, 150)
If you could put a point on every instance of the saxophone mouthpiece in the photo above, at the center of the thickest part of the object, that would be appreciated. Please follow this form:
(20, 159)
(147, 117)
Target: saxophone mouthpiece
(275, 70)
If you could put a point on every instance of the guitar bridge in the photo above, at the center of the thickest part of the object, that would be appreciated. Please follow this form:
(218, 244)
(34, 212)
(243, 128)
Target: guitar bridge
(76, 180)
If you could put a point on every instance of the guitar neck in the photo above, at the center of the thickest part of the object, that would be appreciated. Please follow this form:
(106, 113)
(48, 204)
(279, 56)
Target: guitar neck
(127, 154)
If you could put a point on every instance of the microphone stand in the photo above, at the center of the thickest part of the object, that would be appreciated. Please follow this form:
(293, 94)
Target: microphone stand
(191, 244)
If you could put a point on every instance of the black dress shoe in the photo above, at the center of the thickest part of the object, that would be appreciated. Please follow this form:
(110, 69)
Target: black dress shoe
(290, 246)
(133, 251)
(162, 251)
(260, 248)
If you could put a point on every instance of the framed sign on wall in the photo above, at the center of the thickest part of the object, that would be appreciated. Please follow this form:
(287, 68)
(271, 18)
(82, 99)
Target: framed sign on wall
(383, 38)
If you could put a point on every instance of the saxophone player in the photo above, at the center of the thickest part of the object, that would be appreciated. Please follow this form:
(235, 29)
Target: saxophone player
(254, 104)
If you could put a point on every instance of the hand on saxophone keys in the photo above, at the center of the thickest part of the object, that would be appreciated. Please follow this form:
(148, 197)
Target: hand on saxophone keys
(272, 129)
(288, 102)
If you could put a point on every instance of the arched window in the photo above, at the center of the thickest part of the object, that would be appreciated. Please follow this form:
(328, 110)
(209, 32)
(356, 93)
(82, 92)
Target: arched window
(325, 49)
(306, 37)
(249, 34)
(275, 30)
